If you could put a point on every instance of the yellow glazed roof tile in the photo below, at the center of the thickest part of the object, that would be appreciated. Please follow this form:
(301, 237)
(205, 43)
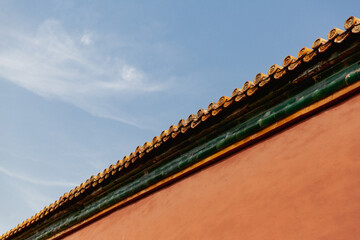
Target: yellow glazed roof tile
(290, 63)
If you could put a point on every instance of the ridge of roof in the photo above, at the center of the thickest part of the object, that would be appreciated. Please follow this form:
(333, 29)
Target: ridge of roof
(275, 72)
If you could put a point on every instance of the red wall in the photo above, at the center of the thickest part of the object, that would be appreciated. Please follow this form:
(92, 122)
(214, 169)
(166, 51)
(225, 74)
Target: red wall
(303, 183)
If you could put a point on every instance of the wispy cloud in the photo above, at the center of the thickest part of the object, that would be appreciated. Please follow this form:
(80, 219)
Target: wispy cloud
(33, 197)
(86, 39)
(36, 181)
(54, 64)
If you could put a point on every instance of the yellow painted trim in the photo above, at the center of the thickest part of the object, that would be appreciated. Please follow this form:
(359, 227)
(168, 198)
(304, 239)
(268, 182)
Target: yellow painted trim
(224, 152)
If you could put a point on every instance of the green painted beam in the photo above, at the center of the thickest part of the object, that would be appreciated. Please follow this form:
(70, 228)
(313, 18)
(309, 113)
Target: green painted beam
(331, 83)
(277, 100)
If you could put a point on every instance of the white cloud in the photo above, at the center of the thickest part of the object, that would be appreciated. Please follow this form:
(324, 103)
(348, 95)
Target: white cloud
(36, 181)
(86, 39)
(54, 64)
(35, 199)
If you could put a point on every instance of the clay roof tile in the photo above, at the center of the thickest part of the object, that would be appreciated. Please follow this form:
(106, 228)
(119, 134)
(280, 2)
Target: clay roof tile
(351, 22)
(273, 69)
(223, 100)
(182, 123)
(133, 157)
(156, 141)
(247, 85)
(147, 147)
(259, 77)
(334, 33)
(303, 51)
(212, 106)
(191, 118)
(236, 92)
(335, 36)
(288, 60)
(201, 112)
(318, 42)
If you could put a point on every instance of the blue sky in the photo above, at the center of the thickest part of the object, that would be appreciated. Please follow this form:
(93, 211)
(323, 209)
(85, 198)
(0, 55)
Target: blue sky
(82, 83)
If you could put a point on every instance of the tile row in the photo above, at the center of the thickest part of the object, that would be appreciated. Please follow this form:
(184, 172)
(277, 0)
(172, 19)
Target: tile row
(275, 72)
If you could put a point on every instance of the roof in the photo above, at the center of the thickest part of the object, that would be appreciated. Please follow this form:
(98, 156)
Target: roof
(291, 64)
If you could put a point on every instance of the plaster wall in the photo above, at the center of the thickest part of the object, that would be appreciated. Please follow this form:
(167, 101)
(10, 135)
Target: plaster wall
(302, 183)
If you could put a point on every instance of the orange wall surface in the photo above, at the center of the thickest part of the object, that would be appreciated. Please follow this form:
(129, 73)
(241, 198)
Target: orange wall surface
(302, 183)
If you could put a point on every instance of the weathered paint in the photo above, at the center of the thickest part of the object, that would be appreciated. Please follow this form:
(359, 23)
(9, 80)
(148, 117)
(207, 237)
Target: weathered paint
(301, 183)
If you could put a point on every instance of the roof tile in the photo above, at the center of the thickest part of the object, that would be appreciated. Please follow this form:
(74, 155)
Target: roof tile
(303, 51)
(288, 60)
(351, 22)
(310, 56)
(324, 47)
(273, 69)
(223, 100)
(356, 29)
(341, 37)
(259, 77)
(318, 42)
(247, 85)
(280, 74)
(290, 63)
(236, 92)
(156, 142)
(333, 33)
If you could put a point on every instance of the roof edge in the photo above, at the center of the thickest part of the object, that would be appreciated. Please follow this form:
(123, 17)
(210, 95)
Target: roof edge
(291, 65)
